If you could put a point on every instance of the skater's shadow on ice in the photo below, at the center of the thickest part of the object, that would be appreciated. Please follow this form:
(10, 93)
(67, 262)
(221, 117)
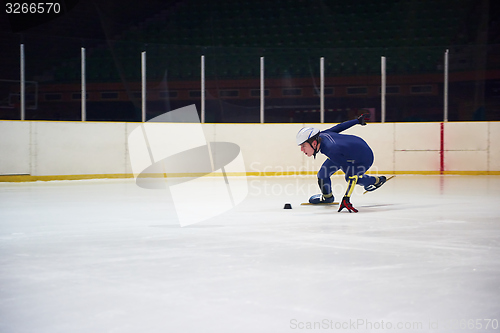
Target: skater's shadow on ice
(373, 208)
(389, 207)
(192, 226)
(377, 206)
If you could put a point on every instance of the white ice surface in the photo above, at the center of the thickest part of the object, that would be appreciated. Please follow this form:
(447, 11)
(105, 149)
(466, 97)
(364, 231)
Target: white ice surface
(108, 256)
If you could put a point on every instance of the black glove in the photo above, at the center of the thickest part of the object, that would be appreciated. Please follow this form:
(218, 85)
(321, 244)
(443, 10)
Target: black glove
(346, 203)
(363, 118)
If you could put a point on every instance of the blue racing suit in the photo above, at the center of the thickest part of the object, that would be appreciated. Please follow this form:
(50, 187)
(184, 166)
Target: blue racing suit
(348, 153)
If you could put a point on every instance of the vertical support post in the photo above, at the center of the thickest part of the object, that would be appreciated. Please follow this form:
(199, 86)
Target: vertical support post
(23, 84)
(84, 87)
(382, 89)
(261, 90)
(322, 89)
(143, 85)
(202, 89)
(445, 107)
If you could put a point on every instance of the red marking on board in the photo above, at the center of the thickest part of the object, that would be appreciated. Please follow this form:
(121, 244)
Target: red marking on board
(441, 151)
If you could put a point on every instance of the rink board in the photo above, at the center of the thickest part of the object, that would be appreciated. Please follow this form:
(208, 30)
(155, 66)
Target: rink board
(77, 150)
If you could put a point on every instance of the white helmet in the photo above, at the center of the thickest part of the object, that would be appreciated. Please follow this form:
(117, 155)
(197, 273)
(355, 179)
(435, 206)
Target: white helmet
(306, 134)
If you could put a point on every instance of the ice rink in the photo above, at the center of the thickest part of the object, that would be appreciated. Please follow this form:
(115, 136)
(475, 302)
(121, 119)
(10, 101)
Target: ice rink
(422, 255)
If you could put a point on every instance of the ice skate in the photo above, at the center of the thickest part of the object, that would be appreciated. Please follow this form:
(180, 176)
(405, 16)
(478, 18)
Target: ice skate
(321, 199)
(380, 180)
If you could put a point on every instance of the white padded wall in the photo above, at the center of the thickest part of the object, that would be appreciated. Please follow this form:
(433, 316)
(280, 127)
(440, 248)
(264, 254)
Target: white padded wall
(43, 148)
(78, 148)
(14, 147)
(494, 146)
(465, 146)
(417, 147)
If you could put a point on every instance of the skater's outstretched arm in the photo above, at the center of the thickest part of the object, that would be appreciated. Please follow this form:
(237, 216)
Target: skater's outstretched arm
(342, 126)
(350, 123)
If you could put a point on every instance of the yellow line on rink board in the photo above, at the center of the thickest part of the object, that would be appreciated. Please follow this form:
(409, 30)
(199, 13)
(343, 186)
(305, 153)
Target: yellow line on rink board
(30, 178)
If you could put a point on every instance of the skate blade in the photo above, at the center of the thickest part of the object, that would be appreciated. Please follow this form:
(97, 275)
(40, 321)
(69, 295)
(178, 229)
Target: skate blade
(385, 181)
(319, 204)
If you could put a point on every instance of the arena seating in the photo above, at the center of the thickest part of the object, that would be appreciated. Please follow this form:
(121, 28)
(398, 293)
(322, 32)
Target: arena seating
(292, 35)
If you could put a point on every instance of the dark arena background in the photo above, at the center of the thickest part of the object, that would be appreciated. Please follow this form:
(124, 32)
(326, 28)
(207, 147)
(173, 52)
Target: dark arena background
(116, 38)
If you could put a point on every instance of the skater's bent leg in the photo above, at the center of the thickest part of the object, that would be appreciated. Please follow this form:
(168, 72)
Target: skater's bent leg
(324, 174)
(350, 185)
(363, 179)
(346, 200)
(325, 186)
(325, 183)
